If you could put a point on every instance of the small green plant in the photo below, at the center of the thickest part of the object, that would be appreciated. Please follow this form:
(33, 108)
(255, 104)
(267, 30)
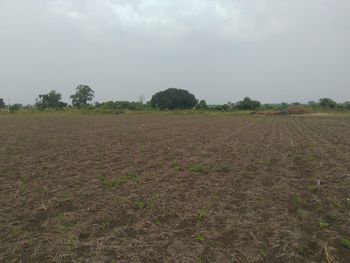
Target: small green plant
(197, 168)
(202, 213)
(323, 225)
(301, 250)
(142, 147)
(345, 242)
(176, 166)
(332, 216)
(200, 237)
(140, 205)
(298, 200)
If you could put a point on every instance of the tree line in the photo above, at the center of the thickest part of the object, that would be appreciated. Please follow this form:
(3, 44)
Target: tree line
(169, 99)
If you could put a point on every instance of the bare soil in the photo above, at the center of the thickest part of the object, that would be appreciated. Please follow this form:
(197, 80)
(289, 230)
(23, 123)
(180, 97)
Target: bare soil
(165, 188)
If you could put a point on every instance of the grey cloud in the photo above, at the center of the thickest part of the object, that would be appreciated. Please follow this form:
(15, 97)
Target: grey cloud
(221, 50)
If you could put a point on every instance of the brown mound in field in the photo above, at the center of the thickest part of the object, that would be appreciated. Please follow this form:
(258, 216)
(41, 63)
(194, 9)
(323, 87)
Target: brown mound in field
(296, 110)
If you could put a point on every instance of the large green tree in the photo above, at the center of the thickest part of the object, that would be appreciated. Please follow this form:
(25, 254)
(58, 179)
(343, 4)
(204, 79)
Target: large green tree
(173, 98)
(83, 95)
(50, 100)
(248, 104)
(328, 103)
(2, 103)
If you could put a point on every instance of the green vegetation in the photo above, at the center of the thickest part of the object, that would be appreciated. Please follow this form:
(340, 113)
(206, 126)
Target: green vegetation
(179, 101)
(2, 103)
(83, 95)
(50, 100)
(14, 108)
(345, 242)
(173, 98)
(323, 225)
(248, 104)
(197, 168)
(140, 205)
(200, 238)
(202, 213)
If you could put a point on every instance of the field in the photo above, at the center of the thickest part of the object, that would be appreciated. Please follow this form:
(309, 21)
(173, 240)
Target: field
(167, 188)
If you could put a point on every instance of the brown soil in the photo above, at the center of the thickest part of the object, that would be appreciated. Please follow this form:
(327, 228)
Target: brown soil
(163, 188)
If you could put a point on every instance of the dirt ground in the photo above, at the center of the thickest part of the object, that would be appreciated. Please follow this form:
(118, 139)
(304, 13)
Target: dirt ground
(167, 188)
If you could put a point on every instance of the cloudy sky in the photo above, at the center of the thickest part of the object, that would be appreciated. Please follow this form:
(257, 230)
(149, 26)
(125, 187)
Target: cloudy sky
(220, 50)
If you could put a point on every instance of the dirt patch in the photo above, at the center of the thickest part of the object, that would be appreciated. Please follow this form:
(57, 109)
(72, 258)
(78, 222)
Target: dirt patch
(163, 188)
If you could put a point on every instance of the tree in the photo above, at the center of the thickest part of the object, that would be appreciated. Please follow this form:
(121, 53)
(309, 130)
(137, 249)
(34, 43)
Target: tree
(2, 103)
(50, 100)
(202, 105)
(347, 105)
(328, 103)
(173, 98)
(248, 104)
(15, 107)
(83, 95)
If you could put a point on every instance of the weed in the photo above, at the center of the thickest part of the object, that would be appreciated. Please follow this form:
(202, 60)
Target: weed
(298, 200)
(140, 205)
(332, 216)
(197, 168)
(176, 166)
(202, 213)
(270, 162)
(301, 250)
(142, 147)
(345, 242)
(200, 237)
(323, 225)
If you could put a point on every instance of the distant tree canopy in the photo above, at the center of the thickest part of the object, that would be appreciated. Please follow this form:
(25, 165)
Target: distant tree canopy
(2, 103)
(346, 105)
(202, 105)
(328, 103)
(50, 100)
(15, 107)
(248, 104)
(120, 105)
(83, 95)
(173, 98)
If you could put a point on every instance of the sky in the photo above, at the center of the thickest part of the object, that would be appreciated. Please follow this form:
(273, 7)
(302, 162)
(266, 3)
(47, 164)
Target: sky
(219, 50)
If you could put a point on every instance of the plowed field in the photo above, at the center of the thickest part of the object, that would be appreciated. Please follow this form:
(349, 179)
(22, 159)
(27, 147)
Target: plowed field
(167, 188)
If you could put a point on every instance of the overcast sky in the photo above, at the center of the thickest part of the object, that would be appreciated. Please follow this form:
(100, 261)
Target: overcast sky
(220, 50)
